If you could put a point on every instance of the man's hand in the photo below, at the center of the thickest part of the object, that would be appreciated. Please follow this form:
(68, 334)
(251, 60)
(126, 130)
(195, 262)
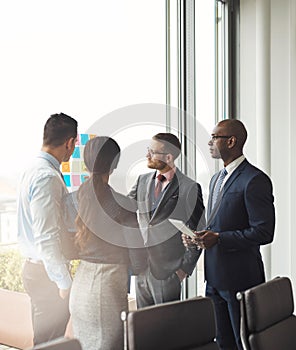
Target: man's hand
(206, 239)
(188, 241)
(64, 293)
(181, 274)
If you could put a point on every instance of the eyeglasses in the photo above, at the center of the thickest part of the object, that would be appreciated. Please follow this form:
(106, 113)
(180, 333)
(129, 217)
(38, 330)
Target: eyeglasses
(216, 137)
(152, 153)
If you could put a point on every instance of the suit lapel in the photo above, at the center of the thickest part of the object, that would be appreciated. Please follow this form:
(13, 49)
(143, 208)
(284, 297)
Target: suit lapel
(212, 186)
(172, 187)
(224, 190)
(147, 187)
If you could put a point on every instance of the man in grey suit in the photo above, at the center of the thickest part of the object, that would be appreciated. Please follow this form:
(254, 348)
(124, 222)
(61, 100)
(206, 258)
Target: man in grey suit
(161, 195)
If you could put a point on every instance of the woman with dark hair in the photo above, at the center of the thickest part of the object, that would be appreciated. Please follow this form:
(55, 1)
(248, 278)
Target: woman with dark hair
(109, 240)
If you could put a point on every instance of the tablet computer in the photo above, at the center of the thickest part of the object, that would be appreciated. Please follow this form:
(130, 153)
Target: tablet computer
(182, 227)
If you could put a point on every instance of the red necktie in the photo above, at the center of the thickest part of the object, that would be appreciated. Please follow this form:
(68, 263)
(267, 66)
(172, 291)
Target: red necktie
(158, 187)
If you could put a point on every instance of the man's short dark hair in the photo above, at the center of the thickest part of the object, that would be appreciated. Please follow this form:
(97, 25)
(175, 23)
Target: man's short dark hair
(58, 129)
(171, 143)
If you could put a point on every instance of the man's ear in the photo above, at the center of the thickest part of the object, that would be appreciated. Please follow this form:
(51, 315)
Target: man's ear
(70, 142)
(170, 157)
(232, 141)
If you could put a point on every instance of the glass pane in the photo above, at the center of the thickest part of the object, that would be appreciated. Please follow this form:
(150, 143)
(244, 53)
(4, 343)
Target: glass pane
(85, 59)
(205, 100)
(205, 62)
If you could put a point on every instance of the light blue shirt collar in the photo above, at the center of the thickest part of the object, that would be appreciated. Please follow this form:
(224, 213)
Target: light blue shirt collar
(51, 159)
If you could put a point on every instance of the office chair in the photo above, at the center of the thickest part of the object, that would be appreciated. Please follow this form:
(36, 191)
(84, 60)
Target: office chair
(59, 344)
(267, 320)
(188, 324)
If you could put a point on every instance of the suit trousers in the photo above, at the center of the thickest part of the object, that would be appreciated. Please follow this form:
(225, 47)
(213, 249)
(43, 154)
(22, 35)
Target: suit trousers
(151, 291)
(227, 309)
(50, 313)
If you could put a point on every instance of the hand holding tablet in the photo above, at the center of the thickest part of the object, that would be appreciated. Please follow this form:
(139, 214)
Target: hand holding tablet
(182, 227)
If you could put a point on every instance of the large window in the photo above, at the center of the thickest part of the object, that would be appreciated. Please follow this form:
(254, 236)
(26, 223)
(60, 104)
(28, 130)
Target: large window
(123, 68)
(86, 59)
(204, 82)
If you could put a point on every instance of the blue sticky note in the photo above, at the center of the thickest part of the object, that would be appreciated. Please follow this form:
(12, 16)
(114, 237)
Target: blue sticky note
(84, 177)
(67, 180)
(76, 153)
(84, 138)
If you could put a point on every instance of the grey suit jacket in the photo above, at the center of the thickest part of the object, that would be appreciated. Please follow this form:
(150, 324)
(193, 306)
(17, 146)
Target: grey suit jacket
(181, 200)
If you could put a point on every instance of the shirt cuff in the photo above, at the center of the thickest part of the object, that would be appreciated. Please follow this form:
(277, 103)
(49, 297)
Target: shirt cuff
(65, 283)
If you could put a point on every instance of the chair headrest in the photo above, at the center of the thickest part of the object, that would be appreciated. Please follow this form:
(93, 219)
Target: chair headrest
(173, 325)
(268, 303)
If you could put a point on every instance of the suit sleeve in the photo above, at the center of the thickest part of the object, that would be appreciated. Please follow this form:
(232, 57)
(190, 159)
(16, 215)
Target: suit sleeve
(196, 213)
(260, 211)
(122, 211)
(133, 192)
(134, 242)
(195, 208)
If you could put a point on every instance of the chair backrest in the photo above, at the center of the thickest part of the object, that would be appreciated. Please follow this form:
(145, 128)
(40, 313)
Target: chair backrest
(59, 344)
(267, 320)
(188, 324)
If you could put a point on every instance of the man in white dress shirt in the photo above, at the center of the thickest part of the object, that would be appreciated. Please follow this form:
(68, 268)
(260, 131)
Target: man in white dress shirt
(46, 275)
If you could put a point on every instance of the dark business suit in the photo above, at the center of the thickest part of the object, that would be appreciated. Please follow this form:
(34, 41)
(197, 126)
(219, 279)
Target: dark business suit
(244, 217)
(181, 199)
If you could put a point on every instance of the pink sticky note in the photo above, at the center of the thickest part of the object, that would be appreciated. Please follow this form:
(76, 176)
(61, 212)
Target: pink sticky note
(75, 180)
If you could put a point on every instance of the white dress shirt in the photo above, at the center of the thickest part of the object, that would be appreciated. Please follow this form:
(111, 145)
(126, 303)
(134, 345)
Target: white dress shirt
(41, 191)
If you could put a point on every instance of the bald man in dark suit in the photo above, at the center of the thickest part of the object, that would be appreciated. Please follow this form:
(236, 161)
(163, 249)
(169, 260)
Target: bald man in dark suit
(240, 219)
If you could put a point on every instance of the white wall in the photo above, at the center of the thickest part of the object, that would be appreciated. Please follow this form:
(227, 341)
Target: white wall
(282, 120)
